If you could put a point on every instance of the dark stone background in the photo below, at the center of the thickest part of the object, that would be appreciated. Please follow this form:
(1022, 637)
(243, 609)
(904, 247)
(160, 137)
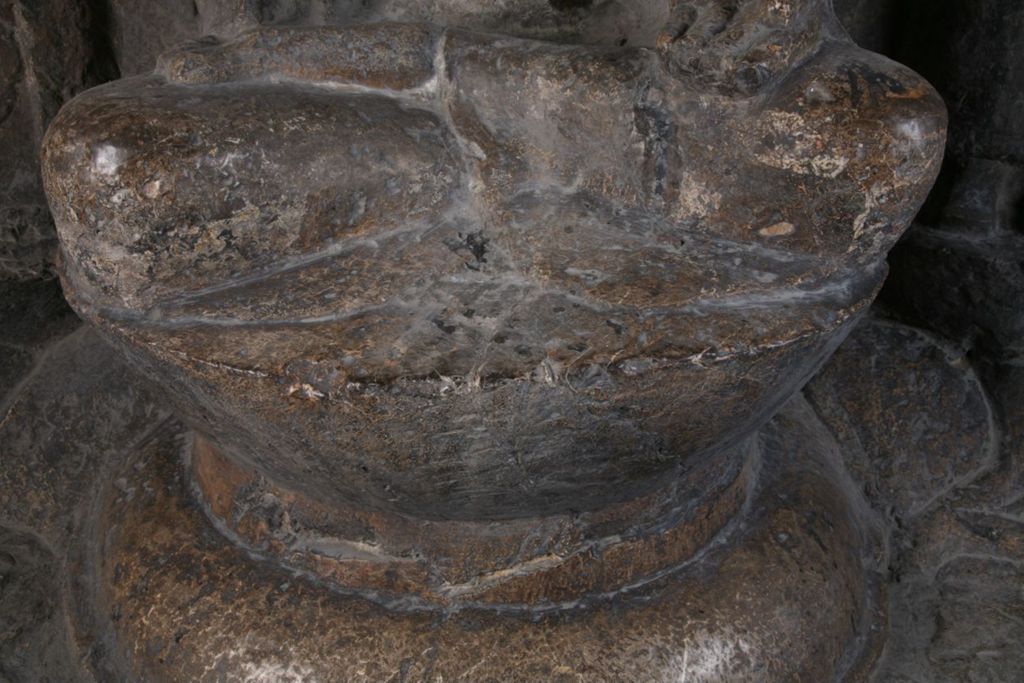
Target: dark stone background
(926, 399)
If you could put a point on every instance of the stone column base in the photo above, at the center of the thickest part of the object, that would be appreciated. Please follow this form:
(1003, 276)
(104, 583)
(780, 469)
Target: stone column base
(784, 590)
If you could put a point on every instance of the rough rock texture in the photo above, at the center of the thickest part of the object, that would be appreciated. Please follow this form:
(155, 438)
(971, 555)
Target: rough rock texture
(45, 58)
(423, 325)
(370, 273)
(141, 29)
(959, 272)
(34, 642)
(68, 406)
(956, 610)
(185, 604)
(938, 454)
(802, 534)
(953, 564)
(960, 600)
(523, 563)
(78, 425)
(936, 450)
(911, 417)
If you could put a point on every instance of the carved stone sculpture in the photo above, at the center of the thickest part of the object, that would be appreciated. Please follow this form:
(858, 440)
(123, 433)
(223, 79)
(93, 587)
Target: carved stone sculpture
(477, 316)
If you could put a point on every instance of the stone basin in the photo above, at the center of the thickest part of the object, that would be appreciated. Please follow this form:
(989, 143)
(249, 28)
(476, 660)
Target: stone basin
(465, 276)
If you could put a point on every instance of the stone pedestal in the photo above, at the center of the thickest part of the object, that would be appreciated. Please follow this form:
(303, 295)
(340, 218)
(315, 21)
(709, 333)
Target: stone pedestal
(782, 588)
(481, 342)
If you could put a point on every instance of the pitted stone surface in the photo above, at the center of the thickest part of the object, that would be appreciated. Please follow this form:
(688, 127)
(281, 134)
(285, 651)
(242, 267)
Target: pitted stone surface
(68, 407)
(550, 561)
(937, 451)
(953, 612)
(492, 269)
(424, 268)
(913, 420)
(187, 605)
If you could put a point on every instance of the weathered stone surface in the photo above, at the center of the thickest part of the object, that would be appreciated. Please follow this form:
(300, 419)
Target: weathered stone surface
(479, 313)
(44, 60)
(374, 276)
(970, 52)
(956, 609)
(536, 561)
(187, 605)
(938, 454)
(34, 641)
(953, 577)
(959, 271)
(980, 620)
(672, 643)
(66, 407)
(913, 421)
(975, 53)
